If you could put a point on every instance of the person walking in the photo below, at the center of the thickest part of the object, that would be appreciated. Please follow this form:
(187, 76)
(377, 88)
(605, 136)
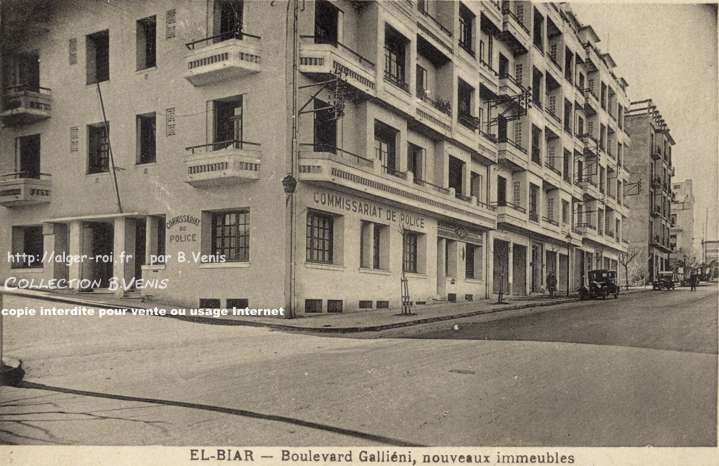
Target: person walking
(693, 281)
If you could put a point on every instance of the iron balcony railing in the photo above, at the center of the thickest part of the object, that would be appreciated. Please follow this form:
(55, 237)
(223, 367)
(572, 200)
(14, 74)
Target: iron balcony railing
(396, 81)
(506, 140)
(467, 46)
(24, 175)
(222, 145)
(219, 38)
(534, 216)
(512, 205)
(469, 121)
(339, 45)
(393, 171)
(433, 186)
(488, 66)
(505, 75)
(551, 113)
(444, 106)
(434, 20)
(553, 59)
(553, 168)
(550, 220)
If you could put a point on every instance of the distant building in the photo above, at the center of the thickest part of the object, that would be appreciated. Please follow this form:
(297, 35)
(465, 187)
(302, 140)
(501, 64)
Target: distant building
(711, 256)
(649, 161)
(681, 230)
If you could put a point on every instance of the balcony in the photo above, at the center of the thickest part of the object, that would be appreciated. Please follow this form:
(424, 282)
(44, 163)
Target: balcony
(512, 155)
(488, 75)
(223, 163)
(551, 224)
(469, 121)
(346, 171)
(24, 105)
(555, 175)
(222, 57)
(591, 101)
(508, 212)
(328, 60)
(434, 112)
(509, 86)
(514, 31)
(534, 216)
(20, 189)
(590, 188)
(432, 27)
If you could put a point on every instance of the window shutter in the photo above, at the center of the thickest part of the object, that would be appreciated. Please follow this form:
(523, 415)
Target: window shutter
(74, 139)
(72, 51)
(170, 121)
(171, 24)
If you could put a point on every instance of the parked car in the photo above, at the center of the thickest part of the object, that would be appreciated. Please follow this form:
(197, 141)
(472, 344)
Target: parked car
(602, 283)
(664, 280)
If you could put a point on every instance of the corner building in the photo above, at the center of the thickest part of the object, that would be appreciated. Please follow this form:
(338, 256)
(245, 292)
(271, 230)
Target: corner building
(464, 143)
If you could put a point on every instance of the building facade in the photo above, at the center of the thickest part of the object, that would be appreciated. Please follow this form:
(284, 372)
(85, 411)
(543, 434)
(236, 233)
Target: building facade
(241, 158)
(650, 161)
(681, 231)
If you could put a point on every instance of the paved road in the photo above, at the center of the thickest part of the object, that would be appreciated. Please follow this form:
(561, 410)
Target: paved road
(645, 375)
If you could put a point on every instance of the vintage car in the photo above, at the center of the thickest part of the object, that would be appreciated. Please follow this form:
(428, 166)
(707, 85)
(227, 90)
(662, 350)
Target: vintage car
(664, 281)
(602, 283)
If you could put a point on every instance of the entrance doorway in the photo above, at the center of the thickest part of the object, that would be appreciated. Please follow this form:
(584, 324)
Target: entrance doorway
(563, 278)
(139, 256)
(501, 267)
(101, 237)
(519, 270)
(536, 268)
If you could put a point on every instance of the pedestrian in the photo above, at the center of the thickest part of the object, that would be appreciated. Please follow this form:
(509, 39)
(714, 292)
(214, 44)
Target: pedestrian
(693, 281)
(551, 284)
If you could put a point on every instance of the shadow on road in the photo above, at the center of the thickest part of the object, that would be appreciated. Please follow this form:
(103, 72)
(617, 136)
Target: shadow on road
(379, 439)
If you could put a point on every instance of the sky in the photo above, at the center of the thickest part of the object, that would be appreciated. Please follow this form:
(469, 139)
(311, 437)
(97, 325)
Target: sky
(668, 52)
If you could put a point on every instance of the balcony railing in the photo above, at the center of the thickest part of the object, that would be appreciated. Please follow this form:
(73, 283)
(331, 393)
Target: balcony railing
(223, 56)
(469, 121)
(444, 106)
(223, 162)
(339, 45)
(551, 112)
(25, 104)
(507, 11)
(342, 155)
(434, 20)
(553, 168)
(553, 59)
(505, 75)
(512, 205)
(24, 188)
(396, 81)
(534, 216)
(239, 35)
(551, 221)
(507, 140)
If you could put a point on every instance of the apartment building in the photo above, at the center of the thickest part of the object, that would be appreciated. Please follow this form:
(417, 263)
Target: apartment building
(681, 224)
(650, 161)
(461, 145)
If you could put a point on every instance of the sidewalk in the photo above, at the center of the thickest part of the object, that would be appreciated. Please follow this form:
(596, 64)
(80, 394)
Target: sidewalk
(351, 322)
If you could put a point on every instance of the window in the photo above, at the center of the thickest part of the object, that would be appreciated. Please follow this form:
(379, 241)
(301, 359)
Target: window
(98, 57)
(533, 202)
(394, 58)
(456, 175)
(313, 306)
(465, 96)
(567, 168)
(146, 43)
(516, 193)
(27, 247)
(385, 140)
(415, 162)
(227, 122)
(565, 211)
(231, 235)
(146, 138)
(473, 262)
(228, 19)
(326, 21)
(237, 303)
(210, 303)
(604, 96)
(422, 82)
(28, 156)
(374, 242)
(98, 148)
(409, 252)
(320, 237)
(466, 26)
(325, 127)
(550, 208)
(538, 30)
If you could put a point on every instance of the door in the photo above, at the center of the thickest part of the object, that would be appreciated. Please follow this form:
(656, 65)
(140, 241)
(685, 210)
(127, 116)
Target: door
(501, 191)
(228, 123)
(441, 267)
(519, 270)
(102, 247)
(501, 267)
(229, 14)
(29, 156)
(325, 128)
(536, 268)
(501, 128)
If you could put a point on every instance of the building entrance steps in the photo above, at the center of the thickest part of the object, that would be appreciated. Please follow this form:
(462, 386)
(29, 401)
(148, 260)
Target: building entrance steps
(351, 322)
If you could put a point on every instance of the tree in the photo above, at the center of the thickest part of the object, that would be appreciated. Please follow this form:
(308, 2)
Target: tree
(625, 259)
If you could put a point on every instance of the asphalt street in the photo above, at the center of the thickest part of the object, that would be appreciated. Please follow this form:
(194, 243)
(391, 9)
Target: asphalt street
(637, 371)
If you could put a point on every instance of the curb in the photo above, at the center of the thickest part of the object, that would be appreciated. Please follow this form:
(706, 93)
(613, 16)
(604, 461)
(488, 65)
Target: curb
(294, 328)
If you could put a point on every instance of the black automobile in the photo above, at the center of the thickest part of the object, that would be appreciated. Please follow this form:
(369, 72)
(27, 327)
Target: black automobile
(602, 283)
(664, 280)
